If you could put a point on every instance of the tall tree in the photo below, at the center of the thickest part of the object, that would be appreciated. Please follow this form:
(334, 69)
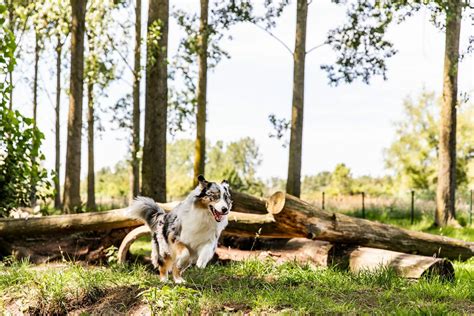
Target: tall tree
(135, 177)
(100, 71)
(200, 144)
(19, 13)
(445, 193)
(72, 197)
(57, 13)
(156, 102)
(57, 125)
(293, 183)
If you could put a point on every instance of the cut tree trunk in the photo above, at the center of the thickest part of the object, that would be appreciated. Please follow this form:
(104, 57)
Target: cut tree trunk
(293, 183)
(72, 197)
(323, 254)
(291, 218)
(300, 219)
(200, 144)
(446, 189)
(358, 259)
(156, 103)
(79, 246)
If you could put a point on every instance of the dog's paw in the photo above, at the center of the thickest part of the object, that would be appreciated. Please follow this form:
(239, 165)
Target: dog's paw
(164, 279)
(179, 280)
(201, 264)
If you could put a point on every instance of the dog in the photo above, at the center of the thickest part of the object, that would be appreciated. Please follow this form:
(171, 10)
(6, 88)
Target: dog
(189, 233)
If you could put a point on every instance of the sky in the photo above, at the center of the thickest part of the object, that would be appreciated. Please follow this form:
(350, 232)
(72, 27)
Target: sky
(350, 124)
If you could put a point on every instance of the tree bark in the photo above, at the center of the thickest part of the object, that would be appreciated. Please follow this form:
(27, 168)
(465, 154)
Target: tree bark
(200, 144)
(154, 148)
(10, 72)
(90, 246)
(72, 197)
(445, 193)
(289, 217)
(135, 177)
(358, 259)
(293, 183)
(57, 165)
(296, 218)
(91, 206)
(35, 117)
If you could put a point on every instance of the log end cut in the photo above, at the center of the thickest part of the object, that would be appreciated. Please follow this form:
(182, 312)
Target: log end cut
(276, 202)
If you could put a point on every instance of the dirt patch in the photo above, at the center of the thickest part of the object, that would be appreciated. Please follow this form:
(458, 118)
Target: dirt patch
(113, 301)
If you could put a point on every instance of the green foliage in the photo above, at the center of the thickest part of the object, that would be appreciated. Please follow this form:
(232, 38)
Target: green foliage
(360, 46)
(100, 62)
(237, 163)
(112, 182)
(413, 156)
(20, 140)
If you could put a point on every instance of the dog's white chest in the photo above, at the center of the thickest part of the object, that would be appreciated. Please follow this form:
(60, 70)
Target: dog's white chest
(199, 228)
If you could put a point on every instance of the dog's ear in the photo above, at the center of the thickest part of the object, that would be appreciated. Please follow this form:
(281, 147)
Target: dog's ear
(225, 183)
(202, 181)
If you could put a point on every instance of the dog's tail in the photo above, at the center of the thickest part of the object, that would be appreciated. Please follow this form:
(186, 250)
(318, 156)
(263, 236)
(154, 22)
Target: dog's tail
(145, 209)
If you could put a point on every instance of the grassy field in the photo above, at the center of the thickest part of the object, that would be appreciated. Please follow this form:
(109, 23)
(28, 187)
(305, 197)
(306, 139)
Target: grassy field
(247, 287)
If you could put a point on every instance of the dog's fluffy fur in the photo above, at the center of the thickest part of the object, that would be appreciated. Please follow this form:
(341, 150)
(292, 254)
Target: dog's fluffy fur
(189, 233)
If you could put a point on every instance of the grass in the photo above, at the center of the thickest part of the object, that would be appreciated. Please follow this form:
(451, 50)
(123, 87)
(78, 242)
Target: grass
(239, 287)
(251, 286)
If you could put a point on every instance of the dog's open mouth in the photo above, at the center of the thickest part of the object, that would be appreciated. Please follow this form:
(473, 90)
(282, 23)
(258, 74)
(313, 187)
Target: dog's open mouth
(217, 215)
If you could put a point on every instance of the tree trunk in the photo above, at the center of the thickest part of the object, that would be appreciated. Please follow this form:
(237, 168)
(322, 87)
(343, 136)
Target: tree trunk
(200, 145)
(57, 166)
(135, 178)
(293, 183)
(358, 259)
(72, 197)
(35, 117)
(154, 147)
(10, 72)
(445, 194)
(91, 206)
(90, 246)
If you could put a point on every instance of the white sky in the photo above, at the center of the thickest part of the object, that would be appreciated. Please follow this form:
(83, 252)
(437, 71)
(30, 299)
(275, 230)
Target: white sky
(350, 123)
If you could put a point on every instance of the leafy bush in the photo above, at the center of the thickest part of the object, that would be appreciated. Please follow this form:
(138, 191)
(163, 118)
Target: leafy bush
(20, 141)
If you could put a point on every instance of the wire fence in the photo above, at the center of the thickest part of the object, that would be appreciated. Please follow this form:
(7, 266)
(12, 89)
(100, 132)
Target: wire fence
(412, 206)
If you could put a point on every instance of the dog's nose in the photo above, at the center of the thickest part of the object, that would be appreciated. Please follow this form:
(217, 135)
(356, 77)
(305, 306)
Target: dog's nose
(225, 210)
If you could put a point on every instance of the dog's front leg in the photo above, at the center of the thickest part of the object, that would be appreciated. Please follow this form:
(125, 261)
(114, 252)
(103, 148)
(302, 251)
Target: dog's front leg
(205, 254)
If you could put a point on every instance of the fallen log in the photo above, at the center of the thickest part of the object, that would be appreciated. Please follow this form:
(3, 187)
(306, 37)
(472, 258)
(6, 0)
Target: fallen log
(301, 219)
(322, 254)
(288, 217)
(78, 246)
(244, 206)
(358, 259)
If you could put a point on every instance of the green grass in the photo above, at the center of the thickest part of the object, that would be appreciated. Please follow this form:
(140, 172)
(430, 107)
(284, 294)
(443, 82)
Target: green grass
(251, 286)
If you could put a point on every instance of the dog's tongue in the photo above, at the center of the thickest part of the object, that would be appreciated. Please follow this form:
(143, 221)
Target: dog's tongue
(217, 216)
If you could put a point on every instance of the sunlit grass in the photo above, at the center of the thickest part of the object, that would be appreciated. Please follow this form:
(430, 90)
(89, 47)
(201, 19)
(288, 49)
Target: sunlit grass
(250, 286)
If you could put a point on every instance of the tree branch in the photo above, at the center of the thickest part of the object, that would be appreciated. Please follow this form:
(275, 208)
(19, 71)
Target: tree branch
(275, 37)
(315, 47)
(121, 56)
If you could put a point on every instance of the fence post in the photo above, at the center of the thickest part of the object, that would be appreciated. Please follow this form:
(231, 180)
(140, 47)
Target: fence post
(412, 207)
(322, 203)
(470, 210)
(363, 204)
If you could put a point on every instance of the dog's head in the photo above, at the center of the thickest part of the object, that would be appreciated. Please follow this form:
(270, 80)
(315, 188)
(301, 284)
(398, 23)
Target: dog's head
(215, 196)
